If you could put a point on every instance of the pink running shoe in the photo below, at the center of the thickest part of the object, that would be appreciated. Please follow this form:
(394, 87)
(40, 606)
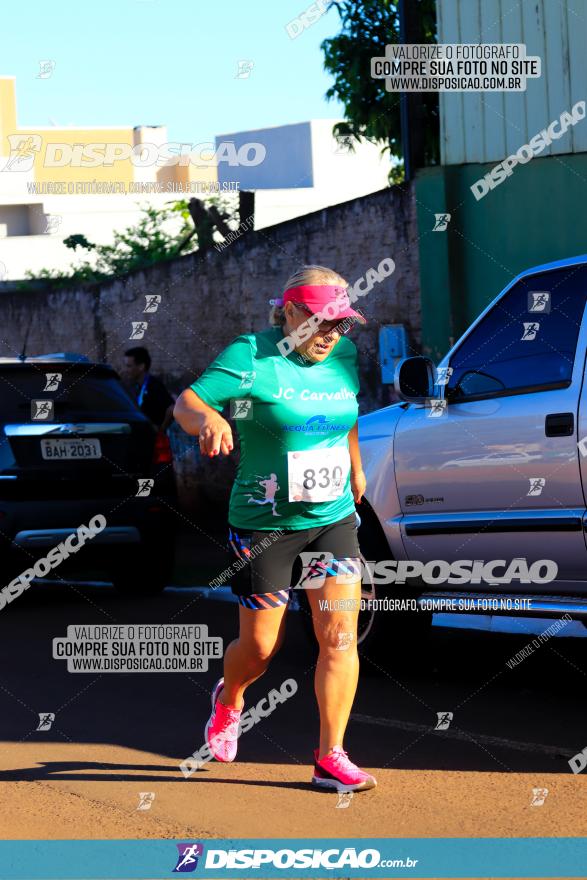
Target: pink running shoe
(337, 771)
(221, 732)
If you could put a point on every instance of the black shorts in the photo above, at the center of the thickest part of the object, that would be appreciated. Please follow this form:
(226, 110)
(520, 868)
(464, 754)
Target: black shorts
(268, 564)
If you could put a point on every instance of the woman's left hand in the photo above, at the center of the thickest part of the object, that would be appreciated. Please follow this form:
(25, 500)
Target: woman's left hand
(358, 485)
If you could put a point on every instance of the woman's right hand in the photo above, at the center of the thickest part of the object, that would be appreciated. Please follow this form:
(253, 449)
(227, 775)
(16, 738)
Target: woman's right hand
(215, 436)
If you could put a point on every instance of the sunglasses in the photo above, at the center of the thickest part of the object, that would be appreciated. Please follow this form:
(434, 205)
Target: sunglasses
(325, 327)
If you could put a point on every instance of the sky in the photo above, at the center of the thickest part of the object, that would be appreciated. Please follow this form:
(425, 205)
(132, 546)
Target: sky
(167, 62)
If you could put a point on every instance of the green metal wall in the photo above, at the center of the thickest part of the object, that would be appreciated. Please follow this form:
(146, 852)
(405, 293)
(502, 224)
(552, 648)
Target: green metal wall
(536, 215)
(487, 126)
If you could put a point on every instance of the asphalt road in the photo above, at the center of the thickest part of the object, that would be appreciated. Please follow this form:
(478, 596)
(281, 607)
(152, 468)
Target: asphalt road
(116, 735)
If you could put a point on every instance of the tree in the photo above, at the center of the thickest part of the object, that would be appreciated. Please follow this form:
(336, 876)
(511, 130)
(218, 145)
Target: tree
(146, 243)
(371, 112)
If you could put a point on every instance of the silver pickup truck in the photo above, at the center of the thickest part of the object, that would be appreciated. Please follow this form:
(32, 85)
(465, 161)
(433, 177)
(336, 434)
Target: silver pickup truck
(477, 481)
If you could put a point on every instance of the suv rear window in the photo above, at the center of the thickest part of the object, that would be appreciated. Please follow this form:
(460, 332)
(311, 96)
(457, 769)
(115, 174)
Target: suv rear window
(82, 388)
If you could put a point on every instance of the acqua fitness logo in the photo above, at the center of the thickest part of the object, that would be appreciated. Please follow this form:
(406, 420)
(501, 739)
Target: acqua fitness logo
(319, 424)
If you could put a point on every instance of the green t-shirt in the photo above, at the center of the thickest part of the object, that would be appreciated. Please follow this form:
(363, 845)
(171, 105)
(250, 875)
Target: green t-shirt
(289, 405)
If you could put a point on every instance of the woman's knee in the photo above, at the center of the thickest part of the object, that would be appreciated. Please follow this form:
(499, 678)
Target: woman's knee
(261, 632)
(262, 646)
(337, 633)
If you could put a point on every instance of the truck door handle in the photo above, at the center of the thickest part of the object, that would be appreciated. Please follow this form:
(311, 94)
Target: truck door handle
(559, 424)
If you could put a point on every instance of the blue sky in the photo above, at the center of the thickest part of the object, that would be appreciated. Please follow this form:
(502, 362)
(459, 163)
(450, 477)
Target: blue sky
(167, 62)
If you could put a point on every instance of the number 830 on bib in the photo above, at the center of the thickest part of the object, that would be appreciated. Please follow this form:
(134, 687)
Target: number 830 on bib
(317, 474)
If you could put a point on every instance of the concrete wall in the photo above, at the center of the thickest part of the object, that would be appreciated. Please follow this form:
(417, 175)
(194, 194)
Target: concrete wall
(207, 300)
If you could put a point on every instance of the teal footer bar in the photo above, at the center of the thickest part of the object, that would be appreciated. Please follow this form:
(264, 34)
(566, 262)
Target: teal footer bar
(310, 858)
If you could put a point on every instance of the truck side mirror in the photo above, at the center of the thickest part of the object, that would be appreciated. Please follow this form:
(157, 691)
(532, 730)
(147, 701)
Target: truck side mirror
(414, 379)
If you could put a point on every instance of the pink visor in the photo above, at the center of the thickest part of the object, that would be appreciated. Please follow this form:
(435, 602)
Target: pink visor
(332, 301)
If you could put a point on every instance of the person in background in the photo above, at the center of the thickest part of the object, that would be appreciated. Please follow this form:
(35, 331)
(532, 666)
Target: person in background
(153, 398)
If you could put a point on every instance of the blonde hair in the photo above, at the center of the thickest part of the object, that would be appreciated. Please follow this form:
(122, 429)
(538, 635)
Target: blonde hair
(306, 275)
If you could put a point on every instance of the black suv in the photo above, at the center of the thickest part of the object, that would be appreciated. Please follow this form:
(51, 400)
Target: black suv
(73, 444)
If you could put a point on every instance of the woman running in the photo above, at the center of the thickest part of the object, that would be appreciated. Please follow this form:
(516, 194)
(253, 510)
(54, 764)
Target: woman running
(298, 479)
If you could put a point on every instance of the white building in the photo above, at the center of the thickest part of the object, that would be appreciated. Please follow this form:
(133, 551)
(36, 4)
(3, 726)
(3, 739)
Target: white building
(305, 168)
(292, 170)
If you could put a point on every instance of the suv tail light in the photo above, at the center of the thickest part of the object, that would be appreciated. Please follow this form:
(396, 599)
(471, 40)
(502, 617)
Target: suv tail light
(162, 450)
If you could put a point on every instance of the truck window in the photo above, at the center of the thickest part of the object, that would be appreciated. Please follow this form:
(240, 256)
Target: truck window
(527, 342)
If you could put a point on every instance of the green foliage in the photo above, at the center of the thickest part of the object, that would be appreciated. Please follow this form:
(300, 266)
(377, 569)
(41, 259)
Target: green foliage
(371, 112)
(75, 241)
(137, 247)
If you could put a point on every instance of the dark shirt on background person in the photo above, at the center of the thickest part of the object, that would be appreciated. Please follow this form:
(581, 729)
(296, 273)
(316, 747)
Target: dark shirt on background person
(153, 398)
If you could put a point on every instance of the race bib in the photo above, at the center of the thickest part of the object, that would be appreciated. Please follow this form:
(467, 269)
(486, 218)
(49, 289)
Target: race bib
(317, 474)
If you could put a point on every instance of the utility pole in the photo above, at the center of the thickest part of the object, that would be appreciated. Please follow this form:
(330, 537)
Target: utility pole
(410, 31)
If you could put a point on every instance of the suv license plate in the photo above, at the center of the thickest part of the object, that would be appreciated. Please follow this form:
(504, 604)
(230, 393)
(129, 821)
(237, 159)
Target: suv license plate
(58, 450)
